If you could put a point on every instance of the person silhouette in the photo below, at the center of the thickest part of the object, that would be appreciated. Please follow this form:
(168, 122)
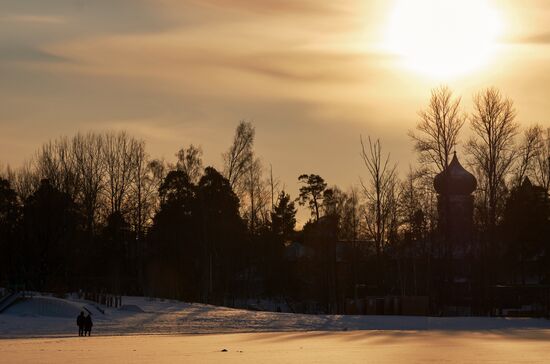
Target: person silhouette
(80, 323)
(88, 325)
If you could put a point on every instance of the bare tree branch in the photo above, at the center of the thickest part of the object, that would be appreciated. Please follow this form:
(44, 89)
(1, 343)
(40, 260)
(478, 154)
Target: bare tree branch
(438, 129)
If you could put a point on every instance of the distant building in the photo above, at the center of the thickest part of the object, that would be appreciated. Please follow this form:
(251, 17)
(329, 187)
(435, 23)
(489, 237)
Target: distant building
(455, 205)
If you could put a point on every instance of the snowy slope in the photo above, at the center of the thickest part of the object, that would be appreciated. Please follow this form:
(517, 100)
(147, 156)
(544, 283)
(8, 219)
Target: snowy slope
(49, 307)
(47, 316)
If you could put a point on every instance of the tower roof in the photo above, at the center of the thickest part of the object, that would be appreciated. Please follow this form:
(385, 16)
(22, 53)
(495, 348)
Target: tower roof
(455, 180)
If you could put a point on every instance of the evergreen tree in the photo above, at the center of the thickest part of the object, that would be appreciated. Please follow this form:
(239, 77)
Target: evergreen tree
(222, 234)
(283, 217)
(50, 222)
(118, 255)
(10, 216)
(175, 234)
(525, 229)
(312, 192)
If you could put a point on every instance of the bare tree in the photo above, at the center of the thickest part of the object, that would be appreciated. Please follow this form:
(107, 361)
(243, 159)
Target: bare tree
(190, 162)
(379, 189)
(143, 190)
(9, 174)
(26, 180)
(438, 129)
(528, 151)
(542, 160)
(333, 202)
(55, 162)
(414, 198)
(245, 174)
(491, 148)
(239, 156)
(351, 219)
(119, 165)
(256, 198)
(87, 151)
(273, 186)
(345, 207)
(159, 171)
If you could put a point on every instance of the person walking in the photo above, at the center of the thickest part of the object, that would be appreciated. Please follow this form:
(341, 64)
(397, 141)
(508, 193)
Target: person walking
(88, 325)
(80, 323)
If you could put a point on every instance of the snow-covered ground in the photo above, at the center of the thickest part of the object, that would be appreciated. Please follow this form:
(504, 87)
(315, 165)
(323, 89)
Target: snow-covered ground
(43, 330)
(396, 347)
(43, 316)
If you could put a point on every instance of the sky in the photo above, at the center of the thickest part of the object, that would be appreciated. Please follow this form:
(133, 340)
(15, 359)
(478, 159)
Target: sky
(312, 76)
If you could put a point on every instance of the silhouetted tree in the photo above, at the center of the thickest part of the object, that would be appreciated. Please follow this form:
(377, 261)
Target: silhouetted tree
(438, 129)
(10, 216)
(117, 255)
(492, 147)
(542, 162)
(380, 192)
(239, 156)
(529, 148)
(55, 162)
(492, 153)
(222, 232)
(142, 192)
(26, 181)
(349, 215)
(87, 153)
(119, 167)
(525, 227)
(283, 217)
(50, 222)
(175, 238)
(190, 162)
(255, 199)
(311, 193)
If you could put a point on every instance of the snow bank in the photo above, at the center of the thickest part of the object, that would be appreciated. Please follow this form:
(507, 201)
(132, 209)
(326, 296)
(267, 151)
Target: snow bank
(131, 308)
(44, 316)
(45, 306)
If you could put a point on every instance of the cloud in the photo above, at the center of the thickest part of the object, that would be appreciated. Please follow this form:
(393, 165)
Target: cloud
(541, 38)
(25, 54)
(186, 71)
(303, 7)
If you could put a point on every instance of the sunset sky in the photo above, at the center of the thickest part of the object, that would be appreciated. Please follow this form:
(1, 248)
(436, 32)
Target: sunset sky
(312, 75)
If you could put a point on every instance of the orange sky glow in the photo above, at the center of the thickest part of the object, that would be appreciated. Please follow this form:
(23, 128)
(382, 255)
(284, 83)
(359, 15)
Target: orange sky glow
(313, 76)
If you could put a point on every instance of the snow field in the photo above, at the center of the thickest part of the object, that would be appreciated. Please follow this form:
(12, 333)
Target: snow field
(515, 346)
(47, 316)
(143, 330)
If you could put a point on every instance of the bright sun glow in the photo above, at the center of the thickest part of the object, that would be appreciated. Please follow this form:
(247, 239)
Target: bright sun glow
(443, 38)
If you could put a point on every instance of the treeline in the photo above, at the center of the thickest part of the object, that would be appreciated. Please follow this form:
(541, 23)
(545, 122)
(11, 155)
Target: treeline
(96, 212)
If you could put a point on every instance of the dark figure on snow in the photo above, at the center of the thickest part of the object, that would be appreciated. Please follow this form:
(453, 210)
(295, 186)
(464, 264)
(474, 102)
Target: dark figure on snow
(88, 325)
(80, 323)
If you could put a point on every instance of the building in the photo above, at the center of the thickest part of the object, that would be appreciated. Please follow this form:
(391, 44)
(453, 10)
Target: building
(455, 251)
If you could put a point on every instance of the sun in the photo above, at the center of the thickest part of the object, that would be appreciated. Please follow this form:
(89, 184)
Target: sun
(443, 38)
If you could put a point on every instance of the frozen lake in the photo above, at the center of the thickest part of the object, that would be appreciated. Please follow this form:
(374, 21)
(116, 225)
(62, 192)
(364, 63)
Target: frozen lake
(510, 346)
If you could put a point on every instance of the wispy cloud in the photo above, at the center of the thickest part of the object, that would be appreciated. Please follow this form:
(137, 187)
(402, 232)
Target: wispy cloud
(180, 71)
(540, 38)
(26, 54)
(303, 7)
